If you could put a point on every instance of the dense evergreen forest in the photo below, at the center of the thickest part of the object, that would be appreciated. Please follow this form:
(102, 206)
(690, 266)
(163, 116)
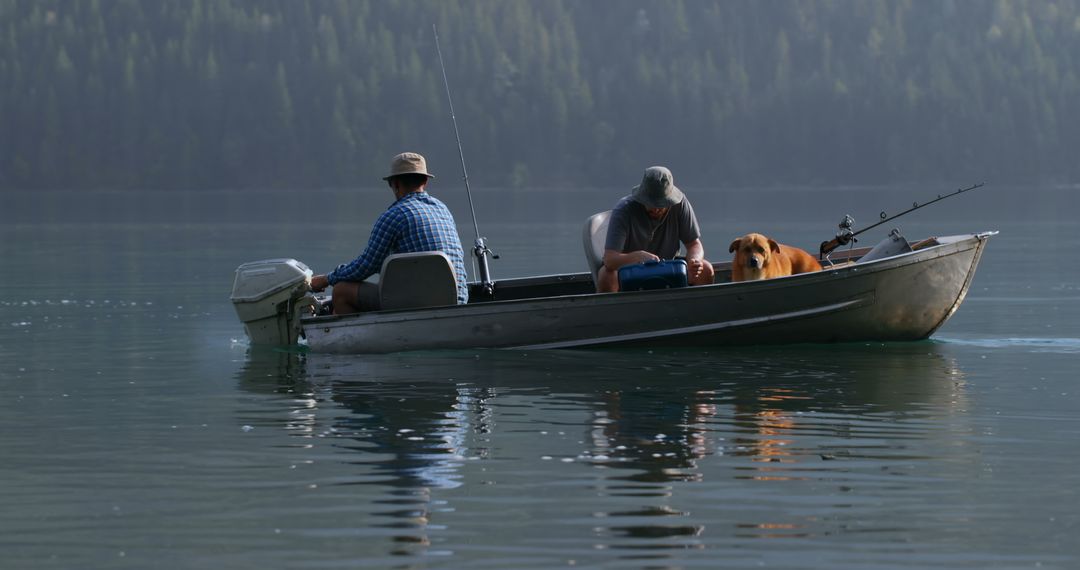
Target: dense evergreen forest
(315, 93)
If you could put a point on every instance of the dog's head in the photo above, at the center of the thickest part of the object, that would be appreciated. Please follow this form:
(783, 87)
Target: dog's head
(753, 252)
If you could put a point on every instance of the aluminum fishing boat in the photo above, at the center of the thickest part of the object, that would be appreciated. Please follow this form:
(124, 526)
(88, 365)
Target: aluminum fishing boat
(891, 292)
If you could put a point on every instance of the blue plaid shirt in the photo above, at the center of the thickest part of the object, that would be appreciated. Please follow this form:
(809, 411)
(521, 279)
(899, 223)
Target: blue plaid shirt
(416, 222)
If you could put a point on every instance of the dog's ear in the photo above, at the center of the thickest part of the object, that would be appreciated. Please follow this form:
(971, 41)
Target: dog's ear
(775, 247)
(734, 245)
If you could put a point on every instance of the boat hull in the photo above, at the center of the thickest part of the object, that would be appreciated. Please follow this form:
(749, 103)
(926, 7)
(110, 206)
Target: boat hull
(905, 297)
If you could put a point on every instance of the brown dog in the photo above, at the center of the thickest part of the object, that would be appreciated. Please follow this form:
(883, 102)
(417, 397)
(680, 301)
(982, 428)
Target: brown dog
(758, 257)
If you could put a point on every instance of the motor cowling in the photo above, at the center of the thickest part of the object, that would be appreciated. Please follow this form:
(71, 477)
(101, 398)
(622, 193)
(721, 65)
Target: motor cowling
(269, 297)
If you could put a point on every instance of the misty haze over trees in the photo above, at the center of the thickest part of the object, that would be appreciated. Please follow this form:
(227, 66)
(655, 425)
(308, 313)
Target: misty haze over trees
(308, 93)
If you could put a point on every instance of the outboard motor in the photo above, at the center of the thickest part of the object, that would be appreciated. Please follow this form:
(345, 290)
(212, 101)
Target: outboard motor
(269, 296)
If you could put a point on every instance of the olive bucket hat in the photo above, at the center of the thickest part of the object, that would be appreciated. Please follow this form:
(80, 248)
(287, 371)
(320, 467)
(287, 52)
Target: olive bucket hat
(408, 163)
(657, 189)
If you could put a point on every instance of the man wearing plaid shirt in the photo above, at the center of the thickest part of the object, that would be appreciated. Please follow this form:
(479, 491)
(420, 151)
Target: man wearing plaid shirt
(416, 221)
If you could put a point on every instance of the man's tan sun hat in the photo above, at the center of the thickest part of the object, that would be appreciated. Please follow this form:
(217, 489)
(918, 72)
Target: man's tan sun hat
(408, 163)
(657, 189)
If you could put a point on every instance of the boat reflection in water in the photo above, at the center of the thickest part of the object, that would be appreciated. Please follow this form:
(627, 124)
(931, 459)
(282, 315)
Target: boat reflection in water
(634, 451)
(406, 435)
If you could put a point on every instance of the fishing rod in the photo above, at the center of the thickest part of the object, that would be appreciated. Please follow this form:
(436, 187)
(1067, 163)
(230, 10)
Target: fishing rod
(480, 248)
(846, 236)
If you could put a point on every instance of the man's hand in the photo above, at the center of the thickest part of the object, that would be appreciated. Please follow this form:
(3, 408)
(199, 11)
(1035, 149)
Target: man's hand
(319, 282)
(694, 267)
(642, 256)
(613, 259)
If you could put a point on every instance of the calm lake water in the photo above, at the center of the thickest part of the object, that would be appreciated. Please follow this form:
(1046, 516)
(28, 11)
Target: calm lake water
(140, 430)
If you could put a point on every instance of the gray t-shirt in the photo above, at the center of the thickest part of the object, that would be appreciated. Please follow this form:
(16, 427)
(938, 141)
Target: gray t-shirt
(631, 229)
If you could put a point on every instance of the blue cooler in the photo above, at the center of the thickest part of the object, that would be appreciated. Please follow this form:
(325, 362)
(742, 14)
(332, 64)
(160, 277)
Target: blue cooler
(653, 275)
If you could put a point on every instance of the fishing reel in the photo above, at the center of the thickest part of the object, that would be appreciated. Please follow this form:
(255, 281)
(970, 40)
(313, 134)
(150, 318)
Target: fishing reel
(843, 237)
(846, 235)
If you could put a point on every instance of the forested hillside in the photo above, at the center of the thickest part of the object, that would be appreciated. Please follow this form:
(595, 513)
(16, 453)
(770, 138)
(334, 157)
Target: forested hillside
(310, 93)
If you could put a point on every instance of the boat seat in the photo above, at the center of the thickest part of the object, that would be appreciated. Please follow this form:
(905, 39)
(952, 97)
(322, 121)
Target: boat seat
(593, 239)
(415, 280)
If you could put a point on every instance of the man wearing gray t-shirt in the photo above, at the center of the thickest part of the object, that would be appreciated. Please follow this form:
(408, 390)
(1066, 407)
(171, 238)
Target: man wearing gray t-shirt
(649, 225)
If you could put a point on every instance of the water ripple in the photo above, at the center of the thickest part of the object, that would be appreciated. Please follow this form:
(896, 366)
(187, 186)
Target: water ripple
(1061, 345)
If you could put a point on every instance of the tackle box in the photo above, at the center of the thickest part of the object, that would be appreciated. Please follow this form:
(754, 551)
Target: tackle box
(666, 274)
